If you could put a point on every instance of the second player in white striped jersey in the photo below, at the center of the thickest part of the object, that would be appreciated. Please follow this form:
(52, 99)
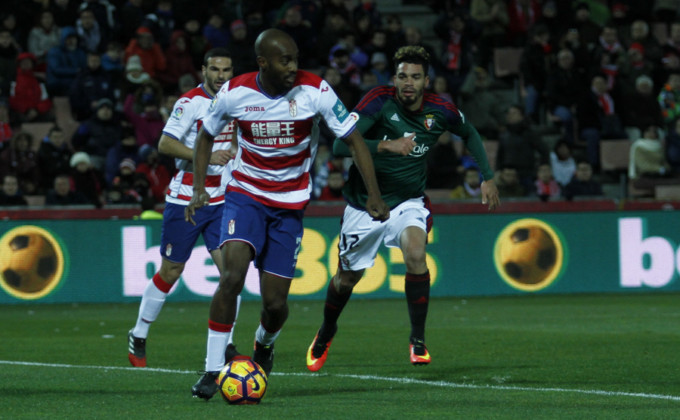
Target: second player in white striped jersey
(183, 125)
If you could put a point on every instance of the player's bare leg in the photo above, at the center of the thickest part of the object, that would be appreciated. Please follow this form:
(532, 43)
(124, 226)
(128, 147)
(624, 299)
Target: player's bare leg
(337, 295)
(417, 290)
(274, 290)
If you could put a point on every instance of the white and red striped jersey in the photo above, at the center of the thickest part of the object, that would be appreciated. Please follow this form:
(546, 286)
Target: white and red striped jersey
(183, 125)
(278, 136)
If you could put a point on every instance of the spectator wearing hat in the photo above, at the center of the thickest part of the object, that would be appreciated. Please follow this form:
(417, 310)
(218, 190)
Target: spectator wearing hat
(86, 179)
(91, 85)
(28, 97)
(135, 75)
(62, 193)
(54, 157)
(150, 53)
(64, 62)
(10, 194)
(241, 48)
(132, 185)
(99, 133)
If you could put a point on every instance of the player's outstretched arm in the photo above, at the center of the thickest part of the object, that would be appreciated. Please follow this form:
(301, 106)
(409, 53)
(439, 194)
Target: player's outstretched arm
(490, 194)
(375, 205)
(201, 157)
(175, 148)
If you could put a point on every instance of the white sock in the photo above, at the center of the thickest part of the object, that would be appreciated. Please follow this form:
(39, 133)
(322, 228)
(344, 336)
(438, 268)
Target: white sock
(217, 345)
(238, 306)
(262, 336)
(151, 305)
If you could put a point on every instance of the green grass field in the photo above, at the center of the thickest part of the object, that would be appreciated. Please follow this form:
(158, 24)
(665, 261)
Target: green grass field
(530, 357)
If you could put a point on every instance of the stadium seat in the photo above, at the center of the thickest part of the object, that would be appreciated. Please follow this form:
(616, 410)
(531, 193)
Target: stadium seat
(38, 130)
(35, 200)
(614, 158)
(660, 32)
(506, 61)
(667, 192)
(64, 117)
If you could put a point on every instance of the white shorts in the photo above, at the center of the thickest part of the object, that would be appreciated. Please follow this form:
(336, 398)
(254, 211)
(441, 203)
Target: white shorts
(360, 236)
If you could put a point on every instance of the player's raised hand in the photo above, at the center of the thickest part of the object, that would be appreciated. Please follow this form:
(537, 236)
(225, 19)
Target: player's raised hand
(490, 194)
(401, 146)
(200, 199)
(376, 207)
(220, 157)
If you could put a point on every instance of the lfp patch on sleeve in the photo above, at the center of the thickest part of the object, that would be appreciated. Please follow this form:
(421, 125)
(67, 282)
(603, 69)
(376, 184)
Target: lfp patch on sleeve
(177, 114)
(340, 111)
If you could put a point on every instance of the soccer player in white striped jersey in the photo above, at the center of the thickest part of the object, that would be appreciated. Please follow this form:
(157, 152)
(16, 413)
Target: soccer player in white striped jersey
(276, 110)
(178, 237)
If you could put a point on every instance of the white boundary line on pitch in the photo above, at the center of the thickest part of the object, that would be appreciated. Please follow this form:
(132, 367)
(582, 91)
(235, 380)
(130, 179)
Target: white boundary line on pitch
(442, 384)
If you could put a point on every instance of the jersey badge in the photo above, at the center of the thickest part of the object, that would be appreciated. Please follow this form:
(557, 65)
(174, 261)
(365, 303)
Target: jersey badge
(354, 116)
(429, 121)
(168, 250)
(340, 111)
(395, 117)
(177, 114)
(232, 226)
(292, 108)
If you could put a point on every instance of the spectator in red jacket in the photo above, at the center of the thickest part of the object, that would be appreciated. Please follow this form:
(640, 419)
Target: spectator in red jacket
(156, 173)
(179, 62)
(28, 96)
(149, 52)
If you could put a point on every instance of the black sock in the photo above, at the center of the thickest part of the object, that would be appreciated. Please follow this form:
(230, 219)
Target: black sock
(333, 307)
(417, 290)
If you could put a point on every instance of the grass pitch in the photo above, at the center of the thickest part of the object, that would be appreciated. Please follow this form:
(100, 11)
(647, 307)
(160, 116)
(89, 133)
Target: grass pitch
(529, 357)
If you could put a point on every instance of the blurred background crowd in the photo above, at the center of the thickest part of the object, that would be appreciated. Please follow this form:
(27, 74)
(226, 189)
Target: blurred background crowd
(86, 87)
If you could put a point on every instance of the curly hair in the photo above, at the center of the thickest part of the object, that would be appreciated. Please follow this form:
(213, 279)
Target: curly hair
(414, 55)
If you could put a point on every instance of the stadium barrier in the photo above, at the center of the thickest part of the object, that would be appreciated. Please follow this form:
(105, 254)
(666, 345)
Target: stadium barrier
(606, 247)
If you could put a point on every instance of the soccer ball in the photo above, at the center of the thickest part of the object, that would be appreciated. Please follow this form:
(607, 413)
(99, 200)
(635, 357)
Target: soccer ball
(527, 255)
(30, 265)
(242, 381)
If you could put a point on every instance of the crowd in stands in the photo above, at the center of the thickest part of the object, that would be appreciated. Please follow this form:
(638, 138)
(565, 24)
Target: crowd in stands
(588, 70)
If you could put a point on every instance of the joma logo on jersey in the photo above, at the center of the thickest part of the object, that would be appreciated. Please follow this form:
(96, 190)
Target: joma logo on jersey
(254, 109)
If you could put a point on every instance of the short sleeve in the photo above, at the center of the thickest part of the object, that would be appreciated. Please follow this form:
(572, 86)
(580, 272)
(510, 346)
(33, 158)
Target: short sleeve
(181, 119)
(337, 116)
(218, 112)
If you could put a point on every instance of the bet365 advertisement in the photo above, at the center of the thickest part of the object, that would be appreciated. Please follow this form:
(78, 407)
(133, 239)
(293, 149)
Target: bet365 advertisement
(468, 255)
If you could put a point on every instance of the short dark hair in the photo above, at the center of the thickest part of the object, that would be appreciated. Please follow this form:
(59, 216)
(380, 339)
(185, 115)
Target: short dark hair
(216, 52)
(414, 55)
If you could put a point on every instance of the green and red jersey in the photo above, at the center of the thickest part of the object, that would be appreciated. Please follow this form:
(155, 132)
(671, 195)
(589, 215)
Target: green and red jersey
(382, 118)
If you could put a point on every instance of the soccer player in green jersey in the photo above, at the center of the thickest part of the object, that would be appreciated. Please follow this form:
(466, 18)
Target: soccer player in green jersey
(400, 125)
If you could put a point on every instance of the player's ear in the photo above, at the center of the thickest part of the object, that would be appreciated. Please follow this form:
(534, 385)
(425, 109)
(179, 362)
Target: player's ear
(261, 62)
